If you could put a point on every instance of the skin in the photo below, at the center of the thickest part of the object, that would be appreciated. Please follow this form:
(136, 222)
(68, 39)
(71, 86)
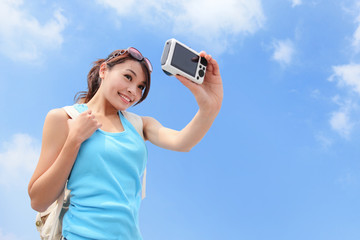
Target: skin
(121, 87)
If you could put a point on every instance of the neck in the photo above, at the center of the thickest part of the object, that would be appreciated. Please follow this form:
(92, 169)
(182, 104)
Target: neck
(101, 106)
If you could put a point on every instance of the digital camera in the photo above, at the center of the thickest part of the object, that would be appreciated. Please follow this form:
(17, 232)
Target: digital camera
(177, 58)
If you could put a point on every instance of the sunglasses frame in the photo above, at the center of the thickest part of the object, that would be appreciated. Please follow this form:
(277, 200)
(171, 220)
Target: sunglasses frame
(134, 53)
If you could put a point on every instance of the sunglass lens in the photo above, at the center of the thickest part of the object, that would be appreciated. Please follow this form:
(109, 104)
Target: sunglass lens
(148, 63)
(135, 53)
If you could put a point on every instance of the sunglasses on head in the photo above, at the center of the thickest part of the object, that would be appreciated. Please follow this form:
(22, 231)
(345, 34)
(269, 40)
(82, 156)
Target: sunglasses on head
(134, 53)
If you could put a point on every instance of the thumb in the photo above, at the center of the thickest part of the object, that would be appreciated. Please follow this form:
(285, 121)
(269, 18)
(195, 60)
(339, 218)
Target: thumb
(193, 87)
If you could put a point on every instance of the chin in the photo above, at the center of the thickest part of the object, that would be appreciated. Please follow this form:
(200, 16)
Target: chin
(123, 107)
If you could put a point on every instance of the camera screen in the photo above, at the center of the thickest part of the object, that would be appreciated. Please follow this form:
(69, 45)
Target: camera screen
(185, 60)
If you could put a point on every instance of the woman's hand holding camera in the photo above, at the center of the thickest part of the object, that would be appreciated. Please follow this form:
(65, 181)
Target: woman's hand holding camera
(209, 94)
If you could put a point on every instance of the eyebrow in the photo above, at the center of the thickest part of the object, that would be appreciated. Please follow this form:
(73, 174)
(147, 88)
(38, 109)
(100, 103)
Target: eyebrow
(131, 71)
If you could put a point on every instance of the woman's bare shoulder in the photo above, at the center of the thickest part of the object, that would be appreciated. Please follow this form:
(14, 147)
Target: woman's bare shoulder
(57, 114)
(56, 120)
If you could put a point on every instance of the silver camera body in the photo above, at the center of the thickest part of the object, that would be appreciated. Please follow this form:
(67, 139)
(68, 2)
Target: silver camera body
(177, 58)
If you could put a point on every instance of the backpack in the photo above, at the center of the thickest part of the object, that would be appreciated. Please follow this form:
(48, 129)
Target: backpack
(49, 222)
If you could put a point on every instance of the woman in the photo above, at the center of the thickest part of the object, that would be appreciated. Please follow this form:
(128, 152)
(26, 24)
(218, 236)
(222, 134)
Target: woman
(101, 156)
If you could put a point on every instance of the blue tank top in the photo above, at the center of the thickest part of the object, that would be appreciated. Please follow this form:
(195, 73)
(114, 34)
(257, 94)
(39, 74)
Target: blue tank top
(105, 185)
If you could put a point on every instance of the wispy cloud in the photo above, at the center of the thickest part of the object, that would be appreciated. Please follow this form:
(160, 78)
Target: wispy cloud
(22, 37)
(284, 51)
(18, 157)
(296, 3)
(341, 123)
(356, 36)
(325, 141)
(213, 23)
(347, 178)
(347, 76)
(343, 120)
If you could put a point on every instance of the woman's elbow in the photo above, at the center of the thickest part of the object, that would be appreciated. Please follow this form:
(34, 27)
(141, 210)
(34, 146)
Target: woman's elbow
(37, 204)
(183, 149)
(37, 207)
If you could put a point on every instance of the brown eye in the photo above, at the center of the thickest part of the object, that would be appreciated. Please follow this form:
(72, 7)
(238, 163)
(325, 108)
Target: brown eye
(128, 77)
(142, 87)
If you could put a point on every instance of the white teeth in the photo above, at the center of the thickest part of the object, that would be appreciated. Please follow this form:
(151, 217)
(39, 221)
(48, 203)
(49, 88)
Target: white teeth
(124, 97)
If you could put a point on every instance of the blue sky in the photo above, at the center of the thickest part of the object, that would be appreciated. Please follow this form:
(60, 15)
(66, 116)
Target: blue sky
(280, 162)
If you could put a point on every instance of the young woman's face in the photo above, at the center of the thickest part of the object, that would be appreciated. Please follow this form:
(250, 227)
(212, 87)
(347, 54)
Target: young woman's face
(124, 84)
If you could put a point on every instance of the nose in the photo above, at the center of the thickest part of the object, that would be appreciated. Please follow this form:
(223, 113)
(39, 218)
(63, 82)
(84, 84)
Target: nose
(132, 89)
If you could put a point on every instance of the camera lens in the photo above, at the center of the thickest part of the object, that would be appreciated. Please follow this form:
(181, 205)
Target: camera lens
(201, 73)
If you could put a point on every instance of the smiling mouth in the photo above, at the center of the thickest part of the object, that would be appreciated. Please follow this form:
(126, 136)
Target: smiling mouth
(125, 98)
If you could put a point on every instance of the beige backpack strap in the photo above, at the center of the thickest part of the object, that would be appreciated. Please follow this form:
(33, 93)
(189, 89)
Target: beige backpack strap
(60, 202)
(137, 122)
(71, 111)
(143, 191)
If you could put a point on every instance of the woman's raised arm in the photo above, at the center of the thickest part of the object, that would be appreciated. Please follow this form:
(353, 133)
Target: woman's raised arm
(209, 96)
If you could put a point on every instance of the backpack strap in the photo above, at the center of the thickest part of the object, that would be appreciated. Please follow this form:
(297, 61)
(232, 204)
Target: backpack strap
(137, 122)
(60, 202)
(134, 119)
(71, 111)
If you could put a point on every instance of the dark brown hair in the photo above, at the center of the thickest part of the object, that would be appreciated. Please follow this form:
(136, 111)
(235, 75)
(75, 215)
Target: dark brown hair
(94, 81)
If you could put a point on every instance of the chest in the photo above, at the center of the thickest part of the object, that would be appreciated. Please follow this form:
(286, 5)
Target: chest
(116, 154)
(110, 124)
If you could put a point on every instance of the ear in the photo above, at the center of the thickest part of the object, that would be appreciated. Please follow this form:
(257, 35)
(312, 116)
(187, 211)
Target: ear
(102, 70)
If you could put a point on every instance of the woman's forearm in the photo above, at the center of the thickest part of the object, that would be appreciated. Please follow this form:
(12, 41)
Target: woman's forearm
(192, 134)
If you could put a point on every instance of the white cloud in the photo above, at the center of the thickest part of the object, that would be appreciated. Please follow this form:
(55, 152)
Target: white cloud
(341, 123)
(342, 120)
(121, 7)
(347, 76)
(18, 158)
(296, 3)
(325, 141)
(210, 22)
(22, 37)
(283, 51)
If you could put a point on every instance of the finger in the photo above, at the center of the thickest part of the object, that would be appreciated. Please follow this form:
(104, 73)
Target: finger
(85, 113)
(188, 83)
(208, 58)
(96, 124)
(205, 55)
(182, 79)
(202, 54)
(215, 66)
(209, 67)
